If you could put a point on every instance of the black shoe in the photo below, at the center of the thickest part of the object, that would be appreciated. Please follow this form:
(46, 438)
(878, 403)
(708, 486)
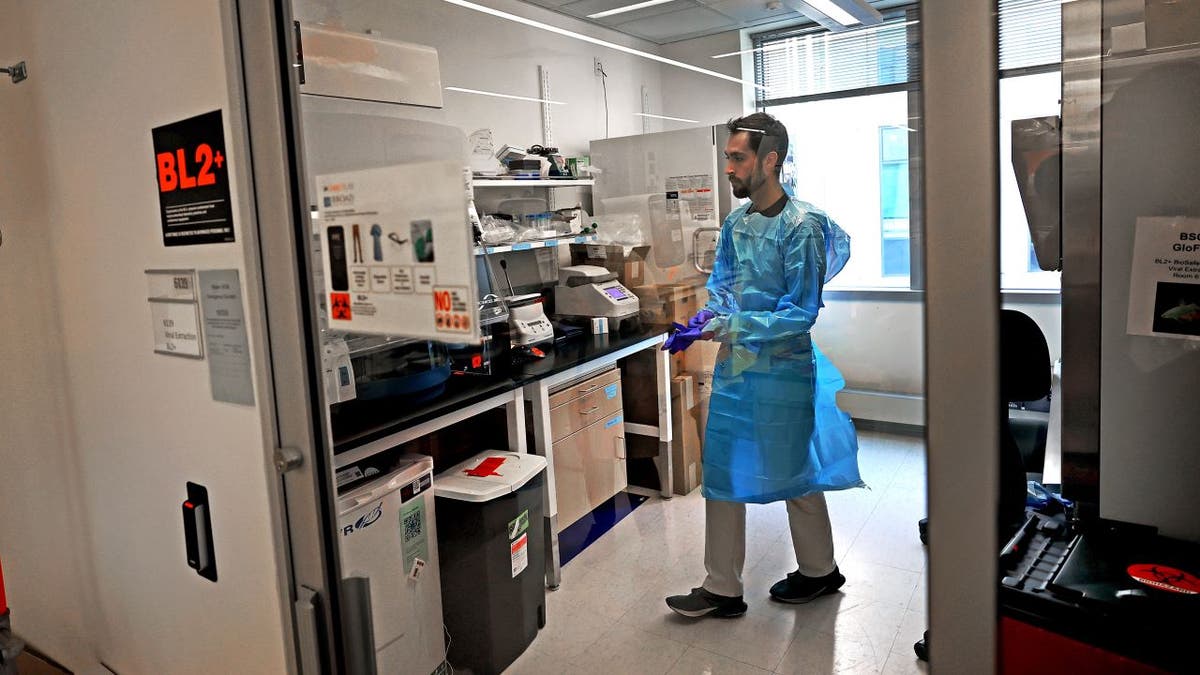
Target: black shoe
(700, 603)
(798, 589)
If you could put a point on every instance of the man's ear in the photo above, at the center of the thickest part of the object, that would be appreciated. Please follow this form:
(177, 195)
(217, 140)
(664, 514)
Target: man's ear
(771, 162)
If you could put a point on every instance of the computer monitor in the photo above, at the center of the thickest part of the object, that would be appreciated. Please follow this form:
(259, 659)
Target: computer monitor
(1036, 159)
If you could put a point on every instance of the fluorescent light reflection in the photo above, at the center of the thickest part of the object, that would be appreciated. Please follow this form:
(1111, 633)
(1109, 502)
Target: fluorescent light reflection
(628, 8)
(498, 95)
(832, 11)
(602, 43)
(664, 117)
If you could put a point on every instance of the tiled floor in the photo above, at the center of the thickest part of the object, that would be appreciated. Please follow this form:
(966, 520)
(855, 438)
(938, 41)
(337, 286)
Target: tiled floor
(609, 616)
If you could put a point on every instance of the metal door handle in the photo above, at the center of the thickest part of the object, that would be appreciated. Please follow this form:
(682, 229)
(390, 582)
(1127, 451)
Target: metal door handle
(696, 248)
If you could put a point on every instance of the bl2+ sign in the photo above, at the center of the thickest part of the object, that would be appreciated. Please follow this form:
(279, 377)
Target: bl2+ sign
(192, 174)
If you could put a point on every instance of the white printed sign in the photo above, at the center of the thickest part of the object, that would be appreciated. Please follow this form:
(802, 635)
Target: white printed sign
(396, 247)
(1164, 285)
(176, 328)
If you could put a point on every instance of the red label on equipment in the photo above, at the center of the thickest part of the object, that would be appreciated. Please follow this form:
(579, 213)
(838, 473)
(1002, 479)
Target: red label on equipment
(1165, 578)
(487, 467)
(339, 306)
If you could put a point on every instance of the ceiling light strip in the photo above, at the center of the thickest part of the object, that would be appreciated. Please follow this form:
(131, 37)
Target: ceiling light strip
(833, 11)
(499, 95)
(664, 117)
(602, 43)
(628, 8)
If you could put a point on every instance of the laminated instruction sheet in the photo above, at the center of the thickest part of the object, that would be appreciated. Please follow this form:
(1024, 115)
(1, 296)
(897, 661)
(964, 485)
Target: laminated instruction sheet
(396, 246)
(1164, 286)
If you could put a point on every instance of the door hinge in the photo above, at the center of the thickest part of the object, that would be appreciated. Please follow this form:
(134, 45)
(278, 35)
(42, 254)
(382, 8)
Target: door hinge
(287, 459)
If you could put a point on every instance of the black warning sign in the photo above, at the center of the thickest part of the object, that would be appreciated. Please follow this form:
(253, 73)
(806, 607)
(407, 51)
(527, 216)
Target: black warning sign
(193, 181)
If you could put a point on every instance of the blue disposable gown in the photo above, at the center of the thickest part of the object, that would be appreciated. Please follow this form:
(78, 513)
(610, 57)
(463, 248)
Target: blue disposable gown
(774, 429)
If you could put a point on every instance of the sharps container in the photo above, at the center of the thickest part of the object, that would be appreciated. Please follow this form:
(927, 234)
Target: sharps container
(491, 542)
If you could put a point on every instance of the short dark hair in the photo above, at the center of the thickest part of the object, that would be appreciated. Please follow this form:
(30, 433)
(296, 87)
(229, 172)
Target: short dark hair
(760, 125)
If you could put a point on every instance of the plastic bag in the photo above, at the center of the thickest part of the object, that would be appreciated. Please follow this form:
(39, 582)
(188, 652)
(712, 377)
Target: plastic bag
(619, 228)
(496, 231)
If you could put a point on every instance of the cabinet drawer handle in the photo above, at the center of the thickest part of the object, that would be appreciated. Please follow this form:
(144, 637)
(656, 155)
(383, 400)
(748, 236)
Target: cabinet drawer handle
(588, 390)
(619, 442)
(590, 410)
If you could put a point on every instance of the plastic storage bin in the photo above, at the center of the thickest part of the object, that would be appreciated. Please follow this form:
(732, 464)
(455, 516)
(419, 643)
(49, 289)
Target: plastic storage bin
(492, 547)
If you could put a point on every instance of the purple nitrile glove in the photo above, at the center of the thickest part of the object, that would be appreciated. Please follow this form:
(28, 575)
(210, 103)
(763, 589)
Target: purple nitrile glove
(702, 317)
(681, 338)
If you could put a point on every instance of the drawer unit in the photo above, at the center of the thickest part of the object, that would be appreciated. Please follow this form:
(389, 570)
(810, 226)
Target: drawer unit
(589, 467)
(585, 403)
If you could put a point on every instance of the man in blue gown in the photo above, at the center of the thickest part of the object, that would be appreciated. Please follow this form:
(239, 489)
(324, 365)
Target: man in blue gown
(774, 430)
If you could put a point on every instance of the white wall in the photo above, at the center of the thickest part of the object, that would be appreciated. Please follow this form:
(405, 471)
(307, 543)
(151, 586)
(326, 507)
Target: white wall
(480, 51)
(43, 544)
(701, 97)
(124, 428)
(878, 343)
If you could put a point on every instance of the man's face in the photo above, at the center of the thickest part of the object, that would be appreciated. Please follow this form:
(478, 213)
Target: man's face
(745, 172)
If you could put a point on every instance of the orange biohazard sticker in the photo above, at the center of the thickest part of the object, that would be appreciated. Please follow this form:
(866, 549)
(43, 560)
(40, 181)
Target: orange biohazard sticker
(339, 306)
(1165, 578)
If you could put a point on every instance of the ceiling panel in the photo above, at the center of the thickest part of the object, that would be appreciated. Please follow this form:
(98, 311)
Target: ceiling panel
(695, 20)
(749, 11)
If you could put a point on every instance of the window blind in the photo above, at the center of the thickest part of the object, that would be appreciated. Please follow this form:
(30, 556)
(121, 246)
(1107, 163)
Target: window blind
(812, 61)
(1030, 33)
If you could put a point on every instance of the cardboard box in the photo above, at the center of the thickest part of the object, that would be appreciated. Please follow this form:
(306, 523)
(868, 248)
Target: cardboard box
(662, 304)
(700, 360)
(700, 412)
(627, 262)
(686, 465)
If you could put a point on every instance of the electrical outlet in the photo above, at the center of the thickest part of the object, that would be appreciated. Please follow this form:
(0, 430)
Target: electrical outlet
(599, 68)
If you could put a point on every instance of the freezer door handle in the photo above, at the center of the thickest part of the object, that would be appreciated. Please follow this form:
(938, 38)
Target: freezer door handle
(358, 629)
(308, 630)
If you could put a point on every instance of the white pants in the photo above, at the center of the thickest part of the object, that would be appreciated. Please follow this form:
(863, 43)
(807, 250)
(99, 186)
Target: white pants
(725, 541)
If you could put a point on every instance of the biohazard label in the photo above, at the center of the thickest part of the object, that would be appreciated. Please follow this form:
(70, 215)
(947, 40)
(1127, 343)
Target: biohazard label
(1165, 578)
(339, 307)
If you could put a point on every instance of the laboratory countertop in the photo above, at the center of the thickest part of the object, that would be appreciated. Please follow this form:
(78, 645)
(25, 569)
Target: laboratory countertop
(359, 422)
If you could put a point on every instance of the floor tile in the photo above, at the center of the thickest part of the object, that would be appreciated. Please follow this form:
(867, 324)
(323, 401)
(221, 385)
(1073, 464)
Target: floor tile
(609, 615)
(629, 651)
(816, 652)
(697, 661)
(756, 639)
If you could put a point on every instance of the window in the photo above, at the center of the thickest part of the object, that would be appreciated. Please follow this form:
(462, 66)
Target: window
(1021, 97)
(893, 200)
(845, 99)
(849, 101)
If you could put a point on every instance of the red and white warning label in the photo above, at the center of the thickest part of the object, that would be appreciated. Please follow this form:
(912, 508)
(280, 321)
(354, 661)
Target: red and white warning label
(520, 554)
(1165, 578)
(452, 312)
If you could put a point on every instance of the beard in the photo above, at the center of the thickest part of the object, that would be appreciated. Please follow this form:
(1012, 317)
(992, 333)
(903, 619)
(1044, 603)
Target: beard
(742, 190)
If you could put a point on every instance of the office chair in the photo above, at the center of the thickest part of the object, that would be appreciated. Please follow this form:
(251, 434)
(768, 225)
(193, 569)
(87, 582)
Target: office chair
(1024, 376)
